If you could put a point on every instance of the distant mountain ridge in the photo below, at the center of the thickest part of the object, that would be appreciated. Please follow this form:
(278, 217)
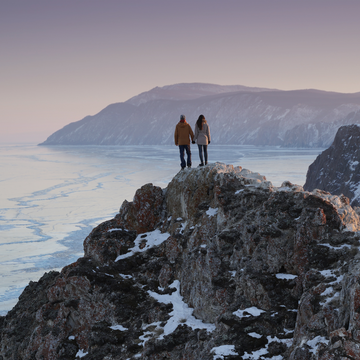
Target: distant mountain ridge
(236, 114)
(188, 92)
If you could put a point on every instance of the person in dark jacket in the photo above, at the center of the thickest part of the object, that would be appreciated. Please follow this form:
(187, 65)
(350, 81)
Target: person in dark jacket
(202, 135)
(183, 133)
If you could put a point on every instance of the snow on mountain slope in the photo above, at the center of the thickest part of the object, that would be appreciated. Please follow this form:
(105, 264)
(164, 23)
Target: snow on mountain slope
(302, 118)
(320, 134)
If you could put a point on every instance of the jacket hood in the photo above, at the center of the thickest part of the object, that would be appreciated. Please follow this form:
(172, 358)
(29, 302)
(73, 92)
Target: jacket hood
(183, 124)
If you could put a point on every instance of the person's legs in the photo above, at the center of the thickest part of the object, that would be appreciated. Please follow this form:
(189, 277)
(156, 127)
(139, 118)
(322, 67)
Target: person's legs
(182, 159)
(200, 154)
(205, 154)
(188, 153)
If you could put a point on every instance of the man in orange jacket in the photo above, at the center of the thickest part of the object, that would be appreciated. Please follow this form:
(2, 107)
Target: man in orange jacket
(183, 133)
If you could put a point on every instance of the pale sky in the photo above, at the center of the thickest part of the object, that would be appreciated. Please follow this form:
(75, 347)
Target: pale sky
(63, 60)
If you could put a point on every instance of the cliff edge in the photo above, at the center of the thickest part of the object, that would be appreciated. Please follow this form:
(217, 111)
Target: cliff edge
(219, 265)
(337, 169)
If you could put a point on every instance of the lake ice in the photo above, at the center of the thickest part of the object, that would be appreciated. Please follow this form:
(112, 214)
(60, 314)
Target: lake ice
(52, 197)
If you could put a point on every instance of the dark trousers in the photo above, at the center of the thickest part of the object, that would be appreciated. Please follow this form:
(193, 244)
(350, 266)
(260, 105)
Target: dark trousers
(201, 149)
(182, 149)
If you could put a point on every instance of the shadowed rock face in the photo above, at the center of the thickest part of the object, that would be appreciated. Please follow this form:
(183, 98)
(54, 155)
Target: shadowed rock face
(337, 169)
(219, 262)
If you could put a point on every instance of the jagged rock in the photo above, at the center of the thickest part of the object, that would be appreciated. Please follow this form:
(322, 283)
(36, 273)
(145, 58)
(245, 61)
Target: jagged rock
(337, 169)
(145, 211)
(104, 244)
(220, 264)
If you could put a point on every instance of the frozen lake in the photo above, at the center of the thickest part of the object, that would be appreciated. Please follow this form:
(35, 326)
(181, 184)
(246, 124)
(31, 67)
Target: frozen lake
(52, 197)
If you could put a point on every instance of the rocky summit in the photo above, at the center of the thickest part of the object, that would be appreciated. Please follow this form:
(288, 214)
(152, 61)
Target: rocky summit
(337, 169)
(219, 265)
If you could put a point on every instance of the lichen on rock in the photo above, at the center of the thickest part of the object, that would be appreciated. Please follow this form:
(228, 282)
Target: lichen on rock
(220, 264)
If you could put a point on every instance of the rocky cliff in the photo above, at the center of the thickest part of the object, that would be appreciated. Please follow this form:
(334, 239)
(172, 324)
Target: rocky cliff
(219, 265)
(236, 114)
(337, 169)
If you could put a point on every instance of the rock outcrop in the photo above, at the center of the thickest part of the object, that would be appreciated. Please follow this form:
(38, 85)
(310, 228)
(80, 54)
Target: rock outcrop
(337, 169)
(219, 265)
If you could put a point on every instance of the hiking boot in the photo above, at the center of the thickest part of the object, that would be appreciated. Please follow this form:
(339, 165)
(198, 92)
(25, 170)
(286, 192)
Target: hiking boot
(202, 164)
(189, 166)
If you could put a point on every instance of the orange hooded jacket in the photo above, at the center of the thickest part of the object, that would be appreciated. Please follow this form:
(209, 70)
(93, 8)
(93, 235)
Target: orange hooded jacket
(183, 132)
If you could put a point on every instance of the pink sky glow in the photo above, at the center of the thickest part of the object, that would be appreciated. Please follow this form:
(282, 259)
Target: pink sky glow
(63, 60)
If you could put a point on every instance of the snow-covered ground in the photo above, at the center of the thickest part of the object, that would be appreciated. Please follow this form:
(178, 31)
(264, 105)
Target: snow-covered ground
(51, 197)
